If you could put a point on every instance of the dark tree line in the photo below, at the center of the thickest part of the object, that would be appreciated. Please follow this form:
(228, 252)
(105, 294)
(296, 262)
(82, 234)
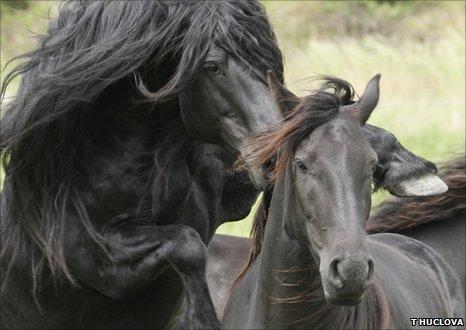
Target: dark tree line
(17, 4)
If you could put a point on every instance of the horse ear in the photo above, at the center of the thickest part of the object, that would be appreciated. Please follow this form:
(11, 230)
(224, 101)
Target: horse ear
(285, 99)
(369, 99)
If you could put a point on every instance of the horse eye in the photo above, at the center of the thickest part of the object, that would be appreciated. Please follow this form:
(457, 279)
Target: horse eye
(212, 67)
(301, 166)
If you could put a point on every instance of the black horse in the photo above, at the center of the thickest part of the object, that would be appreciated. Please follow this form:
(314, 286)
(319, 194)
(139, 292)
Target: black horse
(112, 189)
(439, 221)
(314, 266)
(117, 151)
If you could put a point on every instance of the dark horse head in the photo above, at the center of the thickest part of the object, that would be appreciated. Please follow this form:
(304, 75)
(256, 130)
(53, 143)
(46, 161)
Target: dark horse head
(115, 105)
(332, 164)
(333, 168)
(205, 61)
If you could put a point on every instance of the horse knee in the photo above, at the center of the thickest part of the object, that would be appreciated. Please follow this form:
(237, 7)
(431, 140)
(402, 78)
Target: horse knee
(114, 284)
(190, 253)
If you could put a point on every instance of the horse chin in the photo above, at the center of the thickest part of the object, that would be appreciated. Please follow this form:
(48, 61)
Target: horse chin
(333, 297)
(344, 302)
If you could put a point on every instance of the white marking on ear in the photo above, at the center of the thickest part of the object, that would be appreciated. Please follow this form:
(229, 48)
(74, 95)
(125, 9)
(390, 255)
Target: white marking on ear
(427, 185)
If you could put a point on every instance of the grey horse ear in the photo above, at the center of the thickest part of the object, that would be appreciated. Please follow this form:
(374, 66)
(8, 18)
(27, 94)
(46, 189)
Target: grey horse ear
(285, 99)
(369, 99)
(427, 185)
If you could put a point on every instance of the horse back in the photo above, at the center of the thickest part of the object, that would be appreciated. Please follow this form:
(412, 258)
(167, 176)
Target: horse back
(227, 255)
(448, 239)
(416, 280)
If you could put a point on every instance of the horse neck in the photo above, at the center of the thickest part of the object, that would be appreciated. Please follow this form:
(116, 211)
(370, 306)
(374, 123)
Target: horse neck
(284, 267)
(290, 294)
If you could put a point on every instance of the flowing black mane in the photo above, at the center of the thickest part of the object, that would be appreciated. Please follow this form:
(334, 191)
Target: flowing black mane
(92, 51)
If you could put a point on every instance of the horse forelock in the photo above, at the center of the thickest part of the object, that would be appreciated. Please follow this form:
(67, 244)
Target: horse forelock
(276, 147)
(89, 47)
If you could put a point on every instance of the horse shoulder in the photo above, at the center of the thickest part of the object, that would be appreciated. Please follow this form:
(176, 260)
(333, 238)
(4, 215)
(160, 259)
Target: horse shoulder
(413, 261)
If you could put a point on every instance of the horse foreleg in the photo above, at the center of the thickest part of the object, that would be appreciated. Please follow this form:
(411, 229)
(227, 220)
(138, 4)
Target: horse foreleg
(135, 255)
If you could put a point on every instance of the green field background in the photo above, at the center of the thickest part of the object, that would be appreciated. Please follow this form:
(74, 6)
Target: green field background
(417, 46)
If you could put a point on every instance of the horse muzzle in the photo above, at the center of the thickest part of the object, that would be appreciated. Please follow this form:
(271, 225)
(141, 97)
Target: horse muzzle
(346, 280)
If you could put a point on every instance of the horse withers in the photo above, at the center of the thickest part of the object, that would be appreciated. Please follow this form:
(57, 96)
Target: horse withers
(314, 266)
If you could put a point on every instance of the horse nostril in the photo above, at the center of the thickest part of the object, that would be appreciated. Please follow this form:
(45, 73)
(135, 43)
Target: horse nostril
(334, 275)
(370, 273)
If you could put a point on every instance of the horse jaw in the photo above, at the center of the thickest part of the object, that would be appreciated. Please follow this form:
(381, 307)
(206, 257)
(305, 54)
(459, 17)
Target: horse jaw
(426, 185)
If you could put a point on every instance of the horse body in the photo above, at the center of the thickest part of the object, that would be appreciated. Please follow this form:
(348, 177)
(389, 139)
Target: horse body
(447, 238)
(312, 265)
(282, 289)
(226, 256)
(438, 222)
(114, 171)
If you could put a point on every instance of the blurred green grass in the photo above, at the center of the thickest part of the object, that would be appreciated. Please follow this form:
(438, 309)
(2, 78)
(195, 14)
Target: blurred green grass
(19, 30)
(417, 46)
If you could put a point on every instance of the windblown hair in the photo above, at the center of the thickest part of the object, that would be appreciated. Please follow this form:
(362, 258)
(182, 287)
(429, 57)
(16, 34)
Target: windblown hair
(400, 214)
(276, 148)
(157, 48)
(371, 313)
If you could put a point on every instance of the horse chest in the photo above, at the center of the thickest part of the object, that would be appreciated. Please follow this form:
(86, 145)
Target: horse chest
(115, 180)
